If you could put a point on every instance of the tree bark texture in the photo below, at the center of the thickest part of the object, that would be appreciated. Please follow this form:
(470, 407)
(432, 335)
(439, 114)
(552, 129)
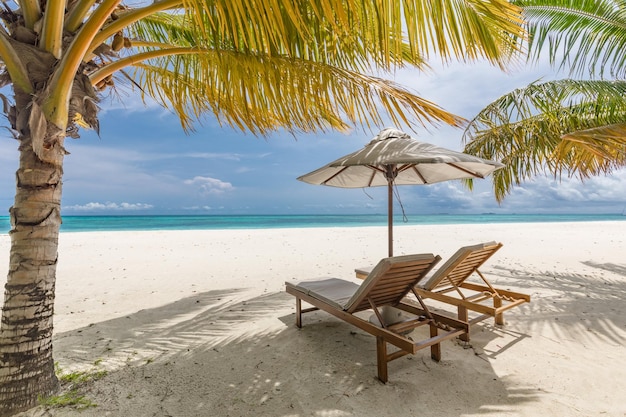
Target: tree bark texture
(26, 363)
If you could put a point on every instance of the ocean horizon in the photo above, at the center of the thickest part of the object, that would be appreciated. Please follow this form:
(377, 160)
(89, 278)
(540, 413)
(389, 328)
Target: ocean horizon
(226, 222)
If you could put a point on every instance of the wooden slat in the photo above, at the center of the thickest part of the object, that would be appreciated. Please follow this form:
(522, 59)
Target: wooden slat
(448, 321)
(405, 326)
(395, 283)
(438, 339)
(479, 298)
(512, 294)
(466, 266)
(456, 301)
(479, 319)
(395, 339)
(396, 355)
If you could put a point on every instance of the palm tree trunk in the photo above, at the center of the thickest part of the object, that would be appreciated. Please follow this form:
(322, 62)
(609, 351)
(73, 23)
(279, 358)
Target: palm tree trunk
(26, 363)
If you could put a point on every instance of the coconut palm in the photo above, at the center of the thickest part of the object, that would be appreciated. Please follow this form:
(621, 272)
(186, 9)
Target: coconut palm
(574, 126)
(257, 65)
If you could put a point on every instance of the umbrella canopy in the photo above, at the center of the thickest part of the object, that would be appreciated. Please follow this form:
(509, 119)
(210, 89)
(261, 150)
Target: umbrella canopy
(394, 157)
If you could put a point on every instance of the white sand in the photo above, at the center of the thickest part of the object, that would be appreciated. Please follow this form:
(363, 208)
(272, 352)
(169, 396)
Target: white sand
(196, 323)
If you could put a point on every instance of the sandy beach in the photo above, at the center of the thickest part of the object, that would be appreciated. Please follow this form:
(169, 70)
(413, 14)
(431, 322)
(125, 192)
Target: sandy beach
(197, 323)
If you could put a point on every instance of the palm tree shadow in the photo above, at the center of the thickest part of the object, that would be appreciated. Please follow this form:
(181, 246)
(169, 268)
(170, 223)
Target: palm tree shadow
(224, 353)
(611, 267)
(205, 320)
(574, 306)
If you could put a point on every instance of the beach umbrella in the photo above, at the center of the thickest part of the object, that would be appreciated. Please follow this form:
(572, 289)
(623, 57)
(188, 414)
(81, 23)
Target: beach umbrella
(394, 157)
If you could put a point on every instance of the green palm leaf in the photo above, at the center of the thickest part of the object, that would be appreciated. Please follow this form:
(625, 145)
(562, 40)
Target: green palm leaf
(584, 35)
(248, 92)
(460, 29)
(525, 130)
(596, 150)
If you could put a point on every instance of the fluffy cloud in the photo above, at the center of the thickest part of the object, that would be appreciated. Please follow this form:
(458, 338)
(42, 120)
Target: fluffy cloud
(108, 206)
(198, 208)
(601, 194)
(596, 194)
(210, 185)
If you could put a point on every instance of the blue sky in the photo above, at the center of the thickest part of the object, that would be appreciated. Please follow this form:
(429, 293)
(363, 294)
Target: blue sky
(143, 163)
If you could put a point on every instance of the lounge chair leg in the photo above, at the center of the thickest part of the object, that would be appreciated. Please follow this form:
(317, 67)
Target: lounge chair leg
(463, 316)
(499, 317)
(381, 356)
(435, 350)
(298, 312)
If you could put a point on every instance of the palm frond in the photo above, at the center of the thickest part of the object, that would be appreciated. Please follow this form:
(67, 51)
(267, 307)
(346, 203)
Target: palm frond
(525, 130)
(583, 35)
(52, 30)
(596, 150)
(304, 36)
(374, 31)
(261, 54)
(261, 93)
(55, 102)
(166, 29)
(254, 54)
(31, 10)
(10, 62)
(78, 10)
(465, 29)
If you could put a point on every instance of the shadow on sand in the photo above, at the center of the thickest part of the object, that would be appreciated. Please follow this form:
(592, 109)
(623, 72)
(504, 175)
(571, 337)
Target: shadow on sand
(219, 354)
(582, 307)
(222, 353)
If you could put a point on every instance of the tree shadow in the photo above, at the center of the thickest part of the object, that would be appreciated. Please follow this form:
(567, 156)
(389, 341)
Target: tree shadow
(611, 267)
(220, 354)
(586, 307)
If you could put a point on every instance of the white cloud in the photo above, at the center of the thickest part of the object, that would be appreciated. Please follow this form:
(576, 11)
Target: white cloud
(197, 208)
(465, 88)
(546, 194)
(109, 206)
(602, 194)
(210, 185)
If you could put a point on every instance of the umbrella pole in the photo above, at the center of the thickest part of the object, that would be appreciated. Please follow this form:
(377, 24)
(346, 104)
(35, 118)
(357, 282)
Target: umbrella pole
(390, 214)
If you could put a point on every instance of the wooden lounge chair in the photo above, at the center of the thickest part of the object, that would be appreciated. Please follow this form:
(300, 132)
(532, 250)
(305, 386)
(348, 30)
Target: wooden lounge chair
(448, 284)
(388, 283)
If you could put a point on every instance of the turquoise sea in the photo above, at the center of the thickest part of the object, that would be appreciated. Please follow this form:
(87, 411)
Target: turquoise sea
(121, 223)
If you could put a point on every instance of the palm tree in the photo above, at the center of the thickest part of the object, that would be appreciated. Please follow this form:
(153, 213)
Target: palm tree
(257, 65)
(571, 126)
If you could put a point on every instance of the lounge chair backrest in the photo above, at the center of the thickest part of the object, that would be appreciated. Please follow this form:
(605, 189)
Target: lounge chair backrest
(460, 266)
(391, 280)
